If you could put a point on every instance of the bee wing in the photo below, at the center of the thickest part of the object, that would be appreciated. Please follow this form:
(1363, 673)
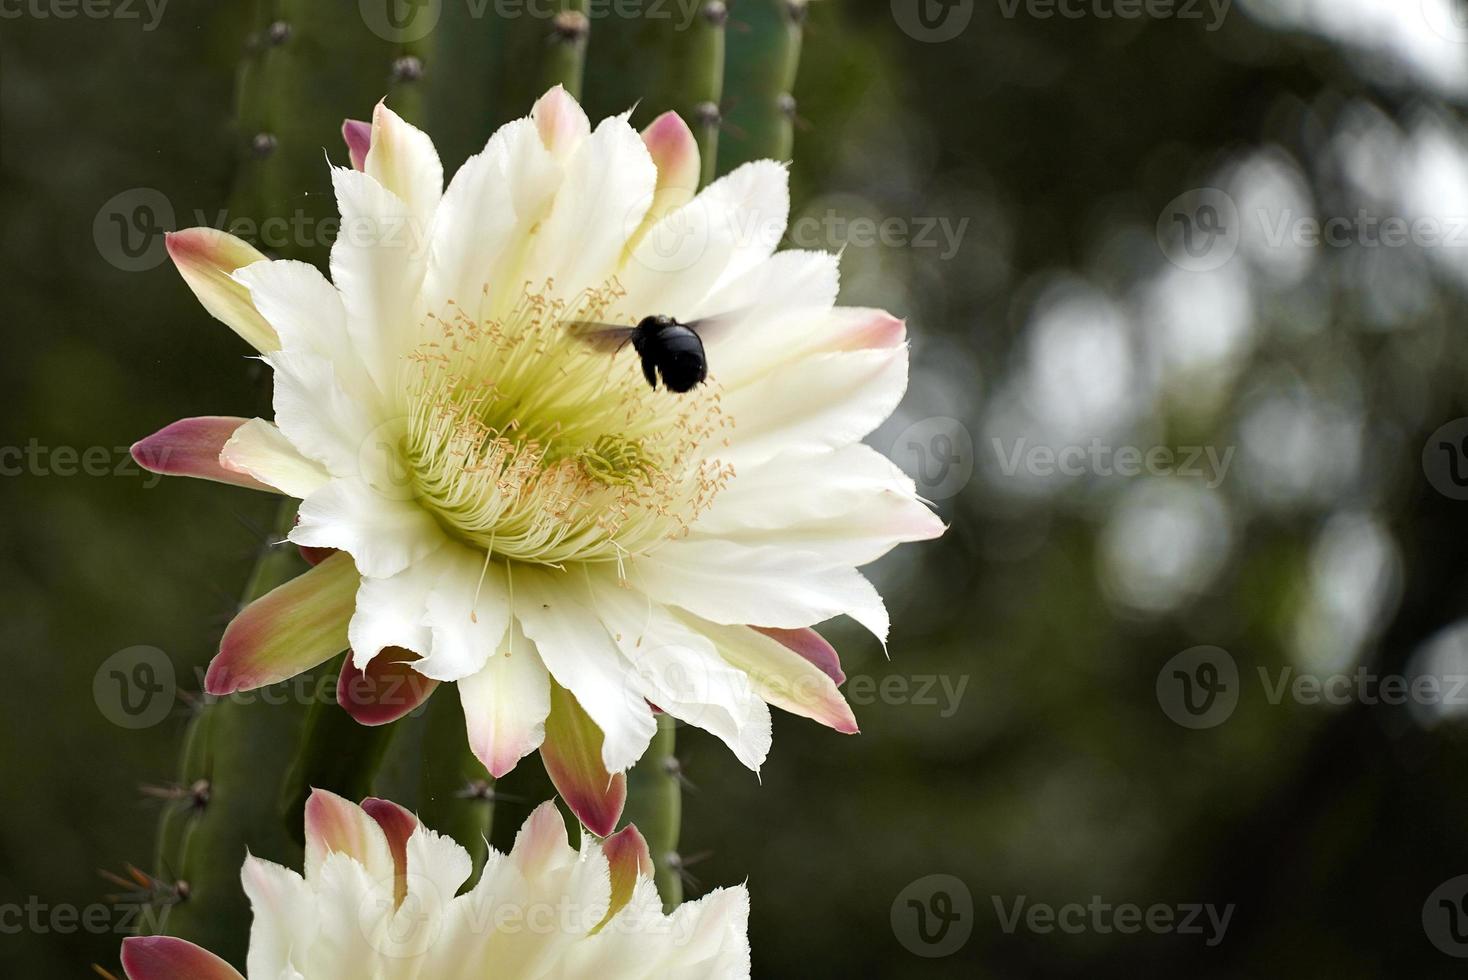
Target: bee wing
(718, 326)
(607, 338)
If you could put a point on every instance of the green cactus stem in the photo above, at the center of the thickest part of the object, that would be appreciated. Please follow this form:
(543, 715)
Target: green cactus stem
(662, 63)
(655, 805)
(306, 67)
(764, 56)
(455, 791)
(234, 752)
(336, 753)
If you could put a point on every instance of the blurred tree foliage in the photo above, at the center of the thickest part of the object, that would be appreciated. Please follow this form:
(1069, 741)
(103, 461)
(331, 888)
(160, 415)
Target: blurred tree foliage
(1055, 603)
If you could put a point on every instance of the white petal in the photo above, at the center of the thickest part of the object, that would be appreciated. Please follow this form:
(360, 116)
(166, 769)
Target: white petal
(317, 415)
(403, 160)
(850, 506)
(506, 704)
(580, 655)
(762, 586)
(819, 402)
(383, 535)
(780, 676)
(353, 911)
(259, 449)
(731, 227)
(285, 917)
(437, 868)
(607, 189)
(468, 612)
(390, 612)
(493, 201)
(378, 262)
(679, 670)
(307, 312)
(560, 122)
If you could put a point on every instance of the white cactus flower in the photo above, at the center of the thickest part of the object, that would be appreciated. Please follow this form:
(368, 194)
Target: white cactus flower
(504, 505)
(380, 900)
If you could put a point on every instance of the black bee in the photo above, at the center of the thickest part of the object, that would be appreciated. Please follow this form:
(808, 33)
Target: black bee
(667, 347)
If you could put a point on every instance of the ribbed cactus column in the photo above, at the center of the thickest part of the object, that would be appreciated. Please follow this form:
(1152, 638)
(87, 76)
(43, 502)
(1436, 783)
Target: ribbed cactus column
(764, 55)
(234, 752)
(655, 805)
(661, 63)
(455, 791)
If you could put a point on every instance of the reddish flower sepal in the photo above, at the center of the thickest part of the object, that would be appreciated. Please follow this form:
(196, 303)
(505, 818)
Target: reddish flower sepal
(167, 958)
(388, 689)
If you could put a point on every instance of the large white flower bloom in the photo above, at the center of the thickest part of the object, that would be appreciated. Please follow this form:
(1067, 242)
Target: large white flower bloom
(379, 901)
(503, 506)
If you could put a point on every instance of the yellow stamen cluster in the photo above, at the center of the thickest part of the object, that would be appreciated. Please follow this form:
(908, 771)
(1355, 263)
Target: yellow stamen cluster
(527, 442)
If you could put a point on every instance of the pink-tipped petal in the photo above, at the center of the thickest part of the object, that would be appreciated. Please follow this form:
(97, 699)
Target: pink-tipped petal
(167, 958)
(781, 676)
(812, 646)
(560, 121)
(288, 630)
(207, 259)
(506, 704)
(573, 759)
(358, 137)
(398, 825)
(541, 843)
(337, 825)
(628, 859)
(402, 159)
(674, 152)
(865, 329)
(191, 447)
(386, 690)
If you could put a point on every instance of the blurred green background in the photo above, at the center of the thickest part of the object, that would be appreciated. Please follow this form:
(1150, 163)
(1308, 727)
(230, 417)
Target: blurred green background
(1099, 229)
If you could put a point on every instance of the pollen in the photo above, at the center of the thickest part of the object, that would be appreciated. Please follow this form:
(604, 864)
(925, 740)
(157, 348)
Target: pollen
(525, 442)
